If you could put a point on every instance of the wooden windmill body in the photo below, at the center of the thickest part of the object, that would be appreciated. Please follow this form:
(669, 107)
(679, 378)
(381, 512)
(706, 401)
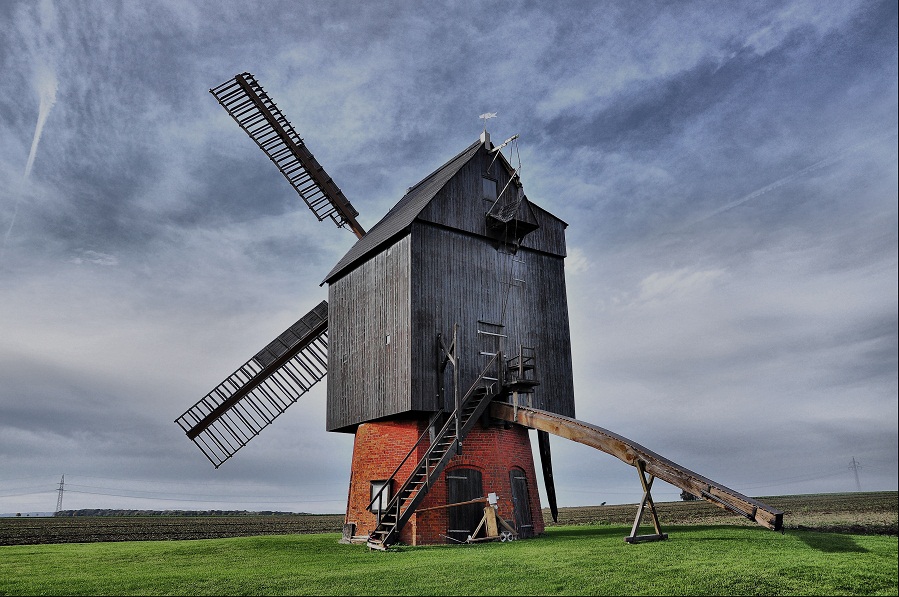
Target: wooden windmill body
(439, 262)
(445, 338)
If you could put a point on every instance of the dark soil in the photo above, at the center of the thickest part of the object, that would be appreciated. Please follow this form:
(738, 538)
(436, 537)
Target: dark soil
(855, 513)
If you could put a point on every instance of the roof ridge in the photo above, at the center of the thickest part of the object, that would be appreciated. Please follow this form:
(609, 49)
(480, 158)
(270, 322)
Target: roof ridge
(404, 212)
(423, 181)
(445, 164)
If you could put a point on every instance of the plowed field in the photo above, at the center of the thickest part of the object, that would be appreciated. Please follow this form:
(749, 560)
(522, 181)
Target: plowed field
(872, 513)
(857, 513)
(87, 529)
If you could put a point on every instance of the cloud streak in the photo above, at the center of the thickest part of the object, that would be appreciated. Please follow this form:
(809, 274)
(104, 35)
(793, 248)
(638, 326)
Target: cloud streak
(828, 161)
(46, 86)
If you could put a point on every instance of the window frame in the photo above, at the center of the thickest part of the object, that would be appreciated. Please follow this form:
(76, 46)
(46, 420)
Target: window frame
(375, 486)
(495, 181)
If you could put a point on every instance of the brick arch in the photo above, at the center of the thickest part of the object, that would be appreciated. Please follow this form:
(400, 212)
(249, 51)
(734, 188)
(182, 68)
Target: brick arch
(454, 465)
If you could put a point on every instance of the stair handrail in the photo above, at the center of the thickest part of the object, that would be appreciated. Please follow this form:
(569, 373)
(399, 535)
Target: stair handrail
(456, 414)
(396, 470)
(437, 437)
(450, 422)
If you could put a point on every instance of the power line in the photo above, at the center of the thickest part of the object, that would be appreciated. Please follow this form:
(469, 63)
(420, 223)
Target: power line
(797, 479)
(6, 495)
(170, 496)
(228, 500)
(157, 482)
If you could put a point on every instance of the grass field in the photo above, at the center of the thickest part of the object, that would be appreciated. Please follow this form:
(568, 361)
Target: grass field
(707, 553)
(572, 560)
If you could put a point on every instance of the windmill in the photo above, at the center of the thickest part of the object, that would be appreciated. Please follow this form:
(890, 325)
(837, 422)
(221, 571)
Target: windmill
(445, 338)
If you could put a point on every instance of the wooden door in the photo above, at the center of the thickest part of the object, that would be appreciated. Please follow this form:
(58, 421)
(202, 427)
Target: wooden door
(521, 503)
(463, 484)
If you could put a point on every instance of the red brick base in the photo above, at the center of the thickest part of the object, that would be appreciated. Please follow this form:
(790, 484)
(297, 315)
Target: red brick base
(379, 447)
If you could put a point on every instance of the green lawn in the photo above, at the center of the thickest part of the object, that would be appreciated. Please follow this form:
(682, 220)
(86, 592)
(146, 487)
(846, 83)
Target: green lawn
(577, 560)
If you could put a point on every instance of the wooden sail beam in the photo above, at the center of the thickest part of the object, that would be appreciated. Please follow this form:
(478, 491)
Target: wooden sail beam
(632, 453)
(256, 113)
(260, 390)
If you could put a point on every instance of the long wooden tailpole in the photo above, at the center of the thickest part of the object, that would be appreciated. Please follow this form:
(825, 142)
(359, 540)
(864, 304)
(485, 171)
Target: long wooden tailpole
(633, 453)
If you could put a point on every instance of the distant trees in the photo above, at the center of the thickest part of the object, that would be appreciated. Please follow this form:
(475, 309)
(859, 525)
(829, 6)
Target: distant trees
(687, 496)
(110, 512)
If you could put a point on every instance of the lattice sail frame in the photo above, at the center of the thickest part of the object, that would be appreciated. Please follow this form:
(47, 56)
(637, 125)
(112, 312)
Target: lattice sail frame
(248, 400)
(256, 113)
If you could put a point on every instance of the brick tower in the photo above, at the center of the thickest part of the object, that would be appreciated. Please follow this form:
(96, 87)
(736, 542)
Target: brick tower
(494, 460)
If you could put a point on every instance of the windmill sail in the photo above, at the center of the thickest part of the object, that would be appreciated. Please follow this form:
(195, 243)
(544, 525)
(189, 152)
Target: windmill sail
(248, 104)
(249, 399)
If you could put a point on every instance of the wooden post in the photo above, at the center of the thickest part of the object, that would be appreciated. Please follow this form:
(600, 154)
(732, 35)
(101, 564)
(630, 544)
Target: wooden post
(349, 530)
(457, 398)
(647, 499)
(492, 527)
(547, 465)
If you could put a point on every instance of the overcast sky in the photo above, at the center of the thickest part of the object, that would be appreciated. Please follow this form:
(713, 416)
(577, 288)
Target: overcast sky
(728, 172)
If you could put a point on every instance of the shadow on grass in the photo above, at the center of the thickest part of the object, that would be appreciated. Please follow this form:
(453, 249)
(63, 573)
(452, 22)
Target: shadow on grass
(622, 531)
(829, 542)
(570, 532)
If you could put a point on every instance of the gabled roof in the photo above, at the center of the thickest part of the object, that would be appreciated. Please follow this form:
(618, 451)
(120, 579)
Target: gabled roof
(401, 216)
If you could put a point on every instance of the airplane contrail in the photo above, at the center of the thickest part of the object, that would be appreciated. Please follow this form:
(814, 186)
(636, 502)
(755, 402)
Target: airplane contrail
(788, 179)
(46, 88)
(46, 85)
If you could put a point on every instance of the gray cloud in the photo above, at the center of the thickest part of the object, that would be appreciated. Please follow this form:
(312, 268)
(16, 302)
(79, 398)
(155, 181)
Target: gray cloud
(728, 172)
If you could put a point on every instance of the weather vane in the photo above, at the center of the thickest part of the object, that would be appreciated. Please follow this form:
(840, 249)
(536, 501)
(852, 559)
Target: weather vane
(487, 116)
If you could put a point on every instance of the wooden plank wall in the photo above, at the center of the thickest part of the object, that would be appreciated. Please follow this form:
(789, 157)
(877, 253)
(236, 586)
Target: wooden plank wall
(447, 270)
(367, 377)
(460, 205)
(462, 279)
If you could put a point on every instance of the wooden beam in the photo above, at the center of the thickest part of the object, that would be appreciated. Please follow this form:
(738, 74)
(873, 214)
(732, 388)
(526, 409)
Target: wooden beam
(444, 506)
(631, 453)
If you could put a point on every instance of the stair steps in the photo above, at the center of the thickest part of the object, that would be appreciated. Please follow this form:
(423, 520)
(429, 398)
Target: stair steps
(403, 503)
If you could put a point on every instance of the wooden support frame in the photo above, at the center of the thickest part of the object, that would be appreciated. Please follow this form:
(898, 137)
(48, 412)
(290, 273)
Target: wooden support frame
(647, 499)
(492, 521)
(451, 356)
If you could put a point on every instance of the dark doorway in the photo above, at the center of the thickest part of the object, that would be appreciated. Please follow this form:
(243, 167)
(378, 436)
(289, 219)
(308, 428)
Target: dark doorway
(521, 503)
(464, 484)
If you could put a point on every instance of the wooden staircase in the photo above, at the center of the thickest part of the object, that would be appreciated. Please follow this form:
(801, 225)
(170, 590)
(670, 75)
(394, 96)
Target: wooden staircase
(446, 444)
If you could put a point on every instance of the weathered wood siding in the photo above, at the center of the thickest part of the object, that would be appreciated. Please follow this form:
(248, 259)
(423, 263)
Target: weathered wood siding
(447, 269)
(460, 205)
(367, 377)
(461, 278)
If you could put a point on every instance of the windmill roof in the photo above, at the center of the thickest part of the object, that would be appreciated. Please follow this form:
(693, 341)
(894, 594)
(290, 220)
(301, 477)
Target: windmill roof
(401, 215)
